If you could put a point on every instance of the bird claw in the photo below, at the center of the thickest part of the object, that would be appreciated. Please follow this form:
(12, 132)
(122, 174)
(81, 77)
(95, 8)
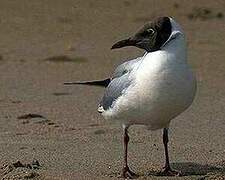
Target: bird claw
(128, 174)
(169, 172)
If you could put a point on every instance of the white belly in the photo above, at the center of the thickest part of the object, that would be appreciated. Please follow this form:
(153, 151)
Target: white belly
(161, 91)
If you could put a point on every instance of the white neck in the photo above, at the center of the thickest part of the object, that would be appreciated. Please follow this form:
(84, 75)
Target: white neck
(176, 43)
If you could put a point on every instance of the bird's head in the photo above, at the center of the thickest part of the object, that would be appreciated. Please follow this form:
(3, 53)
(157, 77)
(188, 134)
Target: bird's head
(153, 36)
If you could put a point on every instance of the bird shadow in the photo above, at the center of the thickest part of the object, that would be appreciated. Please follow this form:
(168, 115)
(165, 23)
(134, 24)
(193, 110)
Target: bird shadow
(193, 169)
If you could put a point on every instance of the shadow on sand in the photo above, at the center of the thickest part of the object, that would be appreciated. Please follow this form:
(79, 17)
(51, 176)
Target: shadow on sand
(187, 169)
(193, 169)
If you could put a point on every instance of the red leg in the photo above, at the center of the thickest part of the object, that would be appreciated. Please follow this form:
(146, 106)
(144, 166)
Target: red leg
(167, 171)
(127, 173)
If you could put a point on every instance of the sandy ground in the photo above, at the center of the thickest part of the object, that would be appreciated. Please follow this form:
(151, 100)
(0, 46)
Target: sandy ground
(44, 43)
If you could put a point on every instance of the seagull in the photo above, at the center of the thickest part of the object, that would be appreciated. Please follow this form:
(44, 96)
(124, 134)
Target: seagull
(150, 90)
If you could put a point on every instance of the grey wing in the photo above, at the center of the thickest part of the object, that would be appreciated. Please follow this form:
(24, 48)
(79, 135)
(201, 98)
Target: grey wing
(121, 80)
(126, 66)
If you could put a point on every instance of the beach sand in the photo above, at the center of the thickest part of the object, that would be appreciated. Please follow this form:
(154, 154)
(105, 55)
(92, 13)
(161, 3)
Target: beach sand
(49, 131)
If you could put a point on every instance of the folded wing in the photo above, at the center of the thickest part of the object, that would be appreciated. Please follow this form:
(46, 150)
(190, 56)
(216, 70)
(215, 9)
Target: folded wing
(121, 80)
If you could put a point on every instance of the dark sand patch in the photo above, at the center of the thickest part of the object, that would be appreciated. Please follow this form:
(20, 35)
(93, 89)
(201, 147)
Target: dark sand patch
(64, 58)
(61, 94)
(93, 125)
(51, 123)
(22, 60)
(176, 5)
(16, 101)
(127, 3)
(30, 116)
(27, 117)
(21, 133)
(100, 131)
(34, 165)
(64, 20)
(204, 14)
(20, 170)
(23, 147)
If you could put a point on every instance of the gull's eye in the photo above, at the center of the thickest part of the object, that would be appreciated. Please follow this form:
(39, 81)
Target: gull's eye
(150, 31)
(147, 32)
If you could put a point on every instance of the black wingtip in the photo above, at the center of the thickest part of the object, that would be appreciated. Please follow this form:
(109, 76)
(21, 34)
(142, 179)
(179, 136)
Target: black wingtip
(71, 83)
(103, 83)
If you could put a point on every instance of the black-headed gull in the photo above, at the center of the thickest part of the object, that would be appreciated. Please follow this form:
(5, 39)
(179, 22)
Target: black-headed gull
(150, 90)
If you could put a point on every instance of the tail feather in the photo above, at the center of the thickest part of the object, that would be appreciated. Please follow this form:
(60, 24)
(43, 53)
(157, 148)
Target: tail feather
(103, 83)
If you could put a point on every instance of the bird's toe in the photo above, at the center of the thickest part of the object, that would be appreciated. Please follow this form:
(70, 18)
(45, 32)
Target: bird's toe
(169, 172)
(128, 174)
